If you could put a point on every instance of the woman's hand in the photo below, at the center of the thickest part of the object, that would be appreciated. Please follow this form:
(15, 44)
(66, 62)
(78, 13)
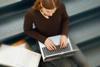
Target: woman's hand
(49, 44)
(63, 41)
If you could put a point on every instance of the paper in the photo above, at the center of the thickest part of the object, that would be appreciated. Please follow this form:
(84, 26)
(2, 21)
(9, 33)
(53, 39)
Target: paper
(18, 57)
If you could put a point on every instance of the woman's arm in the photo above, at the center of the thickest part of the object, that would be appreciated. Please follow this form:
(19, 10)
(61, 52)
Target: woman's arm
(28, 28)
(64, 33)
(65, 21)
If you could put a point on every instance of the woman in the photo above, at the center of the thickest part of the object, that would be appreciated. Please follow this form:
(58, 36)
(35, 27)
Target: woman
(48, 18)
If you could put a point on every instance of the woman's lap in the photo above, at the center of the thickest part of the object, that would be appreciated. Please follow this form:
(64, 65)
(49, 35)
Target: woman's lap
(65, 62)
(78, 58)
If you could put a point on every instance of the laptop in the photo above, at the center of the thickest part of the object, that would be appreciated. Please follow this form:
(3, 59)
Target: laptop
(59, 52)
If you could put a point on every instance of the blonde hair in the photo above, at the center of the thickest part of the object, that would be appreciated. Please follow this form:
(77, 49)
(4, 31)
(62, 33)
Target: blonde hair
(48, 4)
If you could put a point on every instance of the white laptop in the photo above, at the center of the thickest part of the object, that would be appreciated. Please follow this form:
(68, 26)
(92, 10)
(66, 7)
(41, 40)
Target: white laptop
(59, 53)
(18, 56)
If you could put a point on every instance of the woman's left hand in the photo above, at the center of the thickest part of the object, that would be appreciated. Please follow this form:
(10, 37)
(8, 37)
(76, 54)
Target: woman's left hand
(63, 41)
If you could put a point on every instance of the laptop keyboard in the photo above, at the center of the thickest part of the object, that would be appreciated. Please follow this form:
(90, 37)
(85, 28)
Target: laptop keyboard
(58, 50)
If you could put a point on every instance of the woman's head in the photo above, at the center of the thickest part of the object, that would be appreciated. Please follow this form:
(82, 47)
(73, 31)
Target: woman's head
(48, 7)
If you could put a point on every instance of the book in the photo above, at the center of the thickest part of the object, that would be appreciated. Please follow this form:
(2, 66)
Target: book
(18, 56)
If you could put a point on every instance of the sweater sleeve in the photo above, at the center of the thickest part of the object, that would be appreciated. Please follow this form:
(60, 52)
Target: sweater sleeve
(28, 28)
(65, 21)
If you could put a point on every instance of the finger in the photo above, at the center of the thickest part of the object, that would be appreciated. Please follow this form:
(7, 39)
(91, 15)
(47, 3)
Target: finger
(64, 45)
(61, 44)
(51, 46)
(54, 47)
(48, 47)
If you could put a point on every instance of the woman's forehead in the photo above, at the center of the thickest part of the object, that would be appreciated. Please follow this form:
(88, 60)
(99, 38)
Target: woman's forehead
(50, 9)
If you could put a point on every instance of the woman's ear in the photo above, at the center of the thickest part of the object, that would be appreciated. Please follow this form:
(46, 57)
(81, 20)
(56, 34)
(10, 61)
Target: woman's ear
(41, 6)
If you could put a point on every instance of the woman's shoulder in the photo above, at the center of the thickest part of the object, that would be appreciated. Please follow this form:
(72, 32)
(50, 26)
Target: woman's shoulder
(31, 12)
(62, 5)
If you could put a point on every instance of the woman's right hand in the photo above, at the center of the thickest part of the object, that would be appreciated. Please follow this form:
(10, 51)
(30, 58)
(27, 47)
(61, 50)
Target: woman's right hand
(49, 44)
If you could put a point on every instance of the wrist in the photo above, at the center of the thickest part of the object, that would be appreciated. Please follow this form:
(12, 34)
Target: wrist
(63, 36)
(46, 39)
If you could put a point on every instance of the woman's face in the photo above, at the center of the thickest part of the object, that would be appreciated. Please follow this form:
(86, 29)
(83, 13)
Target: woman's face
(48, 12)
